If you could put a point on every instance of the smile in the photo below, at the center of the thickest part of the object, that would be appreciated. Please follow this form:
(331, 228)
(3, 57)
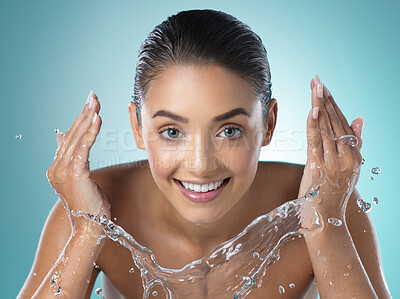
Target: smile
(201, 193)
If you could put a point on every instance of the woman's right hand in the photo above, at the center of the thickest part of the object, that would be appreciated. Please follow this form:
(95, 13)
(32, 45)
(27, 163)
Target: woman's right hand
(69, 174)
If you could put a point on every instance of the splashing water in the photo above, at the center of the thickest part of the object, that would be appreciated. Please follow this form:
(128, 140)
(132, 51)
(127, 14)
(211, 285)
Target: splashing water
(281, 290)
(335, 221)
(365, 206)
(98, 291)
(347, 139)
(375, 170)
(233, 268)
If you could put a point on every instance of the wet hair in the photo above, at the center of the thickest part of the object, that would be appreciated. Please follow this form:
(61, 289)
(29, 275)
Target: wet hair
(203, 37)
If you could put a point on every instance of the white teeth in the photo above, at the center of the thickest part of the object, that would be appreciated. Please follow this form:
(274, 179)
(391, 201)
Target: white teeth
(202, 188)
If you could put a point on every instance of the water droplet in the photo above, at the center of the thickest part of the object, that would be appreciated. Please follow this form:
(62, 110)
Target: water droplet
(256, 255)
(99, 290)
(87, 281)
(247, 281)
(331, 283)
(318, 252)
(275, 228)
(365, 206)
(154, 293)
(363, 161)
(335, 221)
(131, 270)
(34, 274)
(58, 291)
(365, 230)
(375, 200)
(371, 178)
(281, 290)
(292, 285)
(18, 136)
(56, 131)
(346, 274)
(348, 139)
(349, 266)
(95, 265)
(375, 170)
(115, 218)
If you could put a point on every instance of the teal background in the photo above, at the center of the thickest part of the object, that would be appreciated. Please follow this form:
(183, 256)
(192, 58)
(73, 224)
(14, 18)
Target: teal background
(54, 52)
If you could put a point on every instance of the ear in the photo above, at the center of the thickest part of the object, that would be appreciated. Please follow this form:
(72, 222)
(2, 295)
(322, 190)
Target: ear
(271, 122)
(137, 132)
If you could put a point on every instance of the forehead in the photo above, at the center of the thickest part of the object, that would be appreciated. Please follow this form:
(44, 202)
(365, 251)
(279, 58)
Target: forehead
(188, 87)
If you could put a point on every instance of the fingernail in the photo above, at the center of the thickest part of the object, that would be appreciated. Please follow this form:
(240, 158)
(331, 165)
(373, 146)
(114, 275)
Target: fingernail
(315, 112)
(320, 90)
(91, 101)
(94, 118)
(89, 96)
(316, 80)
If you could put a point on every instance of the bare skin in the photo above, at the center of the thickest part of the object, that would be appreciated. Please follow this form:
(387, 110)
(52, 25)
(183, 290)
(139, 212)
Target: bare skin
(148, 205)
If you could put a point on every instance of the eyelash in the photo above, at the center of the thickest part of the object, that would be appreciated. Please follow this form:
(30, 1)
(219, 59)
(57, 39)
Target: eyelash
(241, 132)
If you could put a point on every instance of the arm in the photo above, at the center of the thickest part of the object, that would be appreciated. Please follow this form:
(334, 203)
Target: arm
(76, 249)
(55, 243)
(334, 166)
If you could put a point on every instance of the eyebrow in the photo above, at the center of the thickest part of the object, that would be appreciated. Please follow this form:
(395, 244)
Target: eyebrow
(218, 118)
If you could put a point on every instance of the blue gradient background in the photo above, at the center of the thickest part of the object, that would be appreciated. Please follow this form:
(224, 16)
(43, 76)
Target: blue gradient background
(54, 52)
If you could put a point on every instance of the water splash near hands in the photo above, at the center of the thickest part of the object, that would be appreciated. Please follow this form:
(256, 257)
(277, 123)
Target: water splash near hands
(232, 269)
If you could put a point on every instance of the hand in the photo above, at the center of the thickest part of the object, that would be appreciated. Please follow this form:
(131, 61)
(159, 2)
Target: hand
(332, 164)
(69, 173)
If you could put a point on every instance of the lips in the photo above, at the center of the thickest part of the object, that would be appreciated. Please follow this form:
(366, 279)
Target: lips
(200, 197)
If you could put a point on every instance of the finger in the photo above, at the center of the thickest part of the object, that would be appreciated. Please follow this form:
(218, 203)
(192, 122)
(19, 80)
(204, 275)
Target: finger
(78, 120)
(81, 129)
(86, 142)
(357, 126)
(328, 143)
(344, 150)
(342, 118)
(60, 137)
(314, 141)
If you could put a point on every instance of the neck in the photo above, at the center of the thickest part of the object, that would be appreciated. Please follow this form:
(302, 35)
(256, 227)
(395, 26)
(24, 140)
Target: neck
(207, 236)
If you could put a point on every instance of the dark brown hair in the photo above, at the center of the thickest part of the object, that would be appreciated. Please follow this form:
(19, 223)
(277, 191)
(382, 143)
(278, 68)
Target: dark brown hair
(203, 37)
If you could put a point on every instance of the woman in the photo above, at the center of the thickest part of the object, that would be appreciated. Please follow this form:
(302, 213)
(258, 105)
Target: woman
(202, 110)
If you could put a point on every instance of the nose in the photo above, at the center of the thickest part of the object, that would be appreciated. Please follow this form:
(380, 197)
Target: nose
(202, 155)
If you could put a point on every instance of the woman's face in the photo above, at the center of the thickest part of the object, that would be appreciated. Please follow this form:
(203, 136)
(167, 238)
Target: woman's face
(196, 145)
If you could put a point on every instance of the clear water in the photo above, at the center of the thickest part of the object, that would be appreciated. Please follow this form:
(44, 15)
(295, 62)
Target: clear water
(231, 270)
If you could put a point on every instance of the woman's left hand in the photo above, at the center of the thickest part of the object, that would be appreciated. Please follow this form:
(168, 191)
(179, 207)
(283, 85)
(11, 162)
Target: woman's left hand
(333, 163)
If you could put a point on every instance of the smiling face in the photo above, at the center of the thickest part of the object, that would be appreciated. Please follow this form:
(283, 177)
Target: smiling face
(202, 124)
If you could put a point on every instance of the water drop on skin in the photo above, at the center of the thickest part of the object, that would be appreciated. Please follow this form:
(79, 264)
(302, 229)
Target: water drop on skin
(281, 290)
(99, 290)
(292, 285)
(154, 293)
(365, 206)
(18, 136)
(256, 255)
(335, 221)
(375, 200)
(375, 170)
(34, 274)
(131, 270)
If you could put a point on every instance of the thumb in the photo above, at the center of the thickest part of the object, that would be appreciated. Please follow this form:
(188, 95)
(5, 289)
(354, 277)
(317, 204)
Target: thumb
(60, 137)
(357, 126)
